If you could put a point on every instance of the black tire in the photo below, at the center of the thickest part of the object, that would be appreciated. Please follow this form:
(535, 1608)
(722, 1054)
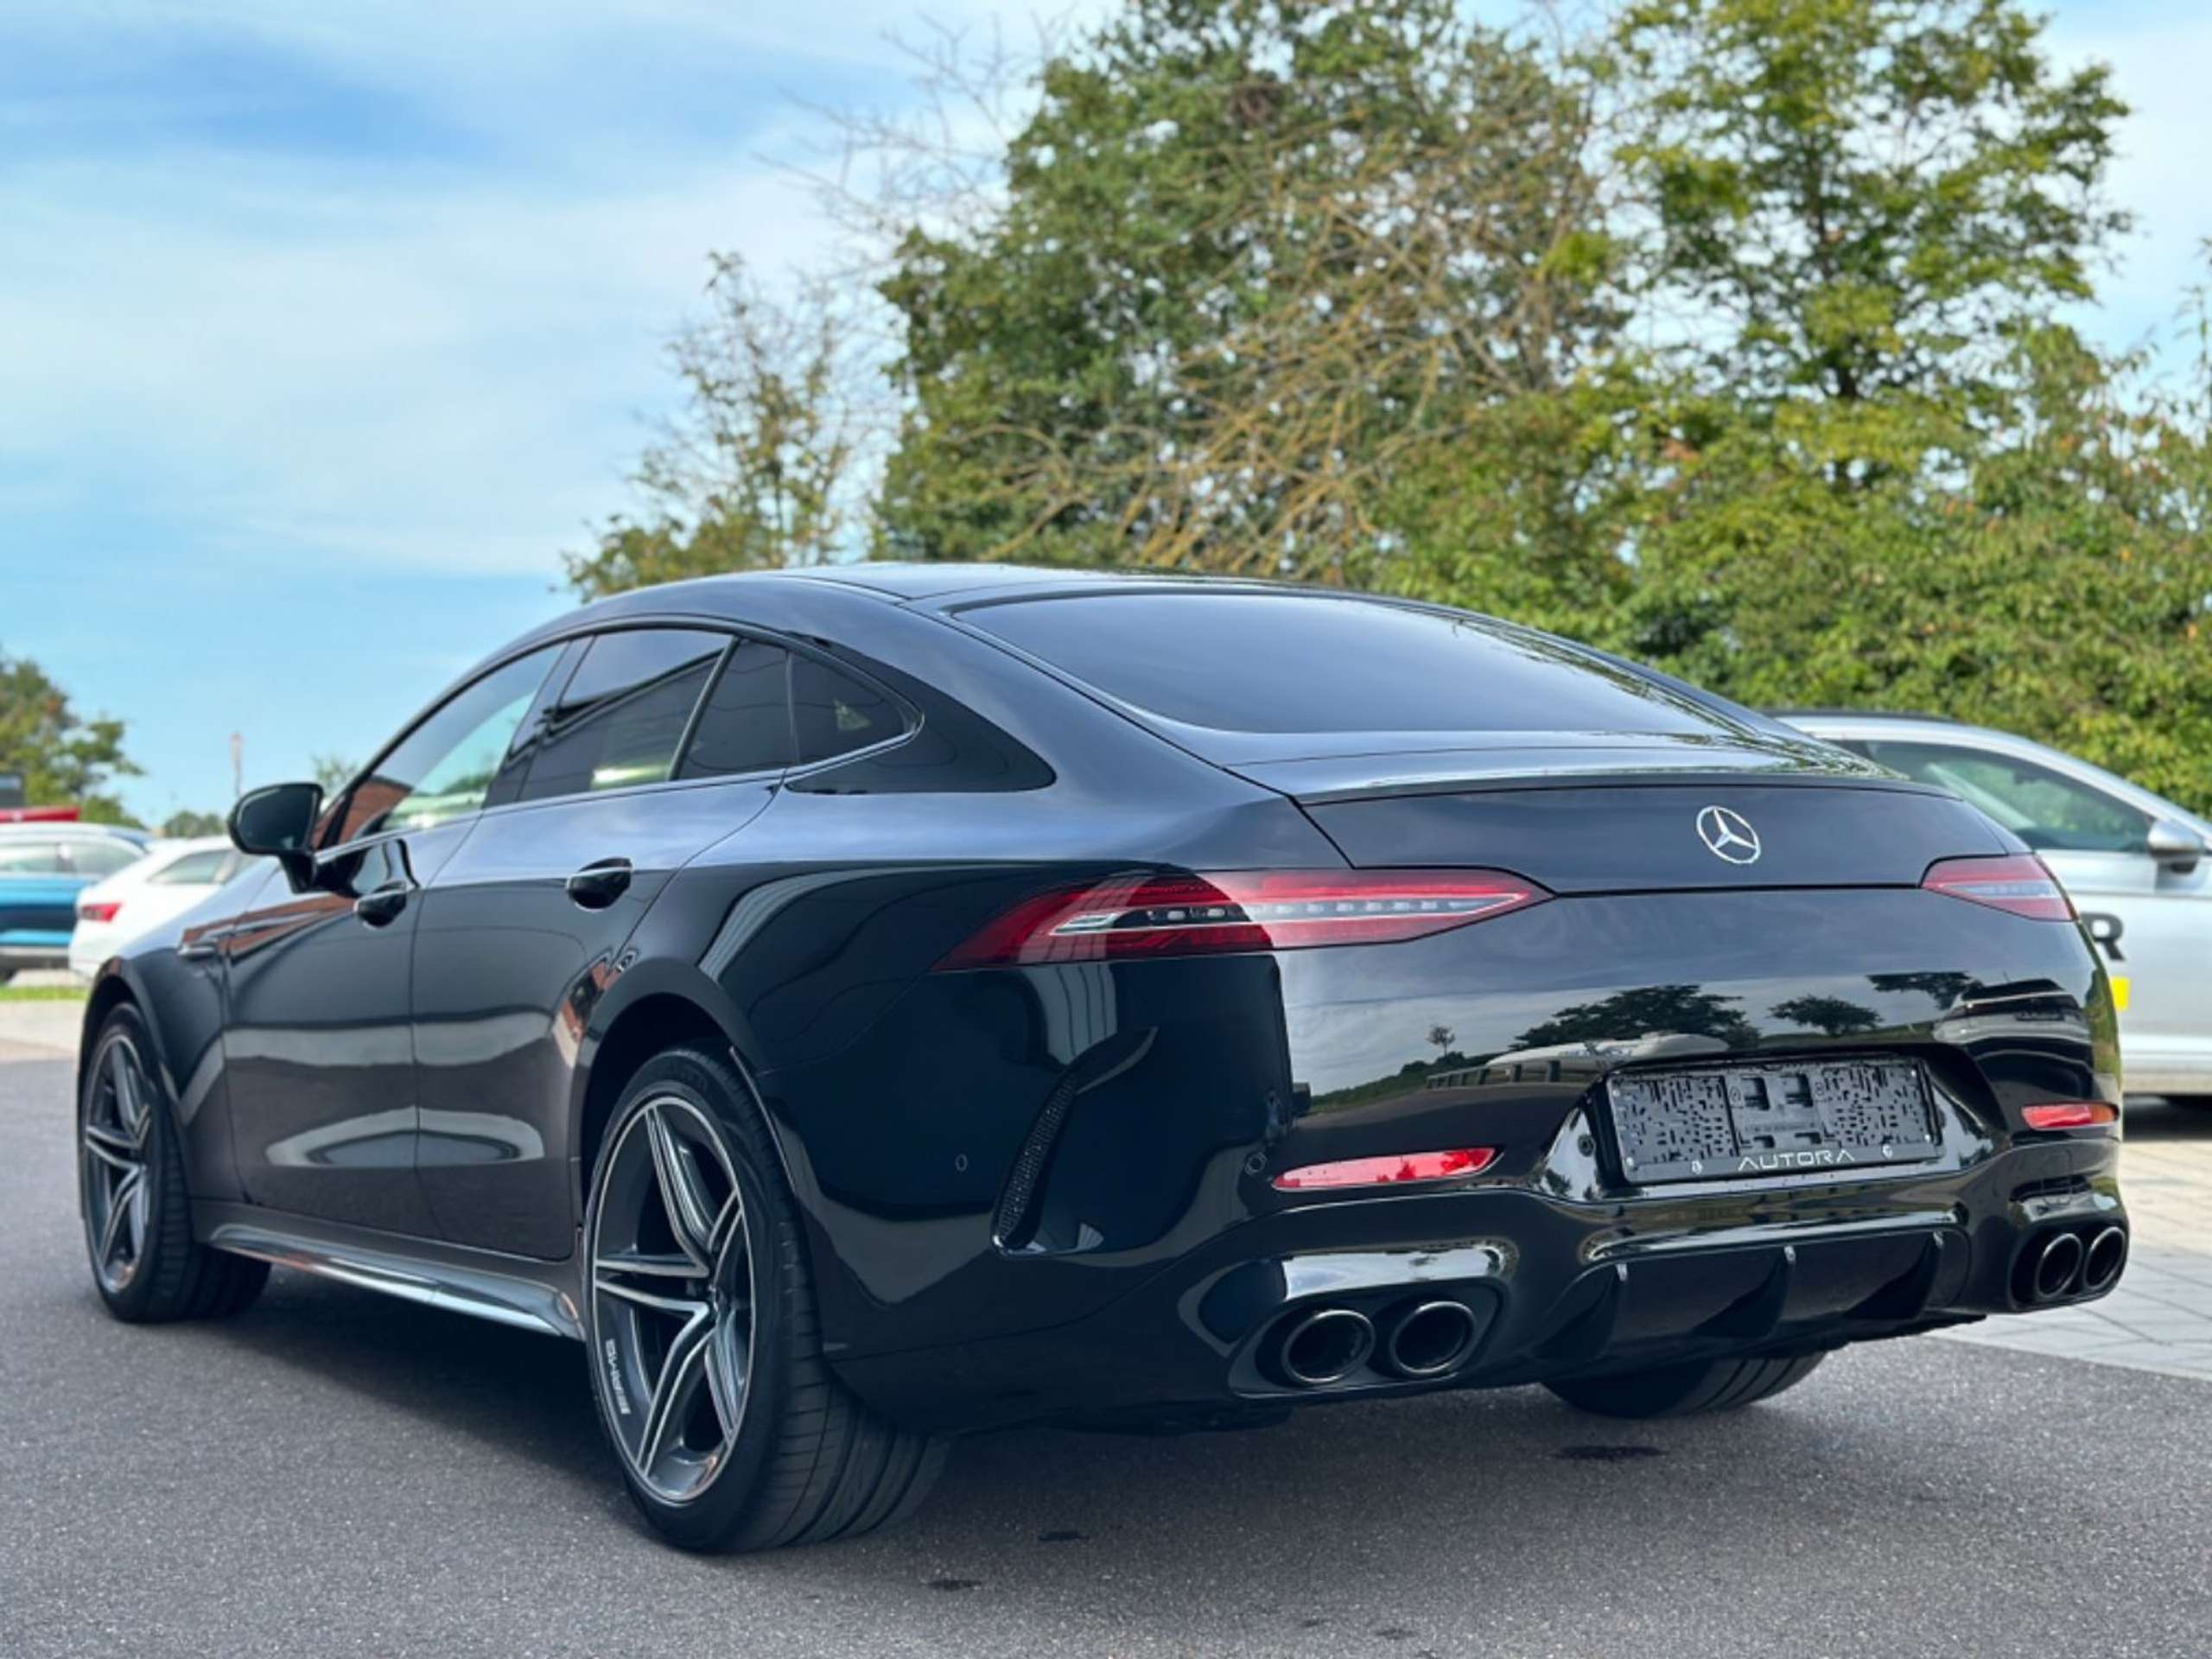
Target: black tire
(1682, 1390)
(807, 1462)
(167, 1275)
(6, 973)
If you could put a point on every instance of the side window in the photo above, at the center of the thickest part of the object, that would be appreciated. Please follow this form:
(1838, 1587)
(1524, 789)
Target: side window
(30, 858)
(623, 715)
(193, 870)
(746, 723)
(833, 713)
(2046, 809)
(443, 768)
(102, 857)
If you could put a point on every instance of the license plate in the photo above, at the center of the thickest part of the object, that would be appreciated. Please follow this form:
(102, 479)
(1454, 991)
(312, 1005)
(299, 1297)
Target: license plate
(1770, 1119)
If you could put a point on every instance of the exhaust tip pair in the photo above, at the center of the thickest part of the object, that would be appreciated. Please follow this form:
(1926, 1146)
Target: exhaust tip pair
(1416, 1341)
(2063, 1265)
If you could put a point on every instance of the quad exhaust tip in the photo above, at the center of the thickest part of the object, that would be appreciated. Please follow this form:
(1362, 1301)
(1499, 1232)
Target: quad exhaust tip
(1326, 1346)
(1429, 1339)
(2107, 1254)
(2057, 1266)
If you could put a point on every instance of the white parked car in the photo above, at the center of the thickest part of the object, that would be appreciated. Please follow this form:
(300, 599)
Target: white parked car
(173, 877)
(2138, 868)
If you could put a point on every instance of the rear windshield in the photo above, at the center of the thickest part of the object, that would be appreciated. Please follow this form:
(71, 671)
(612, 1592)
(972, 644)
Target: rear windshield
(1290, 663)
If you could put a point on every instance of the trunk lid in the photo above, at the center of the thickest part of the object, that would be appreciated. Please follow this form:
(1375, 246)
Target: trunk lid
(1719, 833)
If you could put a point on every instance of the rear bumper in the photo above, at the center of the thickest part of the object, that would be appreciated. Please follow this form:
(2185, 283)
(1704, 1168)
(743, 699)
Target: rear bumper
(36, 951)
(1033, 1192)
(1557, 1288)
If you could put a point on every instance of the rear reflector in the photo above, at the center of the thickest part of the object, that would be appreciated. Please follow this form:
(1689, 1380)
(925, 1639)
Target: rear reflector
(1149, 916)
(104, 911)
(2018, 883)
(1387, 1172)
(2069, 1114)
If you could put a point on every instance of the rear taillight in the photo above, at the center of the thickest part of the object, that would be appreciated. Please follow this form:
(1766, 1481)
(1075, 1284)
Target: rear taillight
(101, 911)
(1144, 916)
(2069, 1114)
(2017, 883)
(1391, 1170)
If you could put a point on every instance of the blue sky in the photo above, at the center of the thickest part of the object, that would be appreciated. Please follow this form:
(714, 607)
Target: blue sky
(324, 330)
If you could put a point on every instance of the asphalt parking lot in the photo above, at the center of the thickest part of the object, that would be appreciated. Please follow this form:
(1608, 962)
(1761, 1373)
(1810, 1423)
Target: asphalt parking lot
(335, 1474)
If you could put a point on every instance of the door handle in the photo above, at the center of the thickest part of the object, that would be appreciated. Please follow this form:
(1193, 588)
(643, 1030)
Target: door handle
(383, 903)
(598, 884)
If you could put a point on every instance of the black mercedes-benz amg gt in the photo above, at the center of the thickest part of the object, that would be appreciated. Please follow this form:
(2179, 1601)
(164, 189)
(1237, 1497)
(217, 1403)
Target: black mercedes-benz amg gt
(868, 1004)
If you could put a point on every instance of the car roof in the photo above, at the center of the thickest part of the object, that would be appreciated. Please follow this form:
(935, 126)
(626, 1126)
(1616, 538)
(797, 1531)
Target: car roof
(71, 830)
(180, 846)
(913, 582)
(833, 601)
(937, 579)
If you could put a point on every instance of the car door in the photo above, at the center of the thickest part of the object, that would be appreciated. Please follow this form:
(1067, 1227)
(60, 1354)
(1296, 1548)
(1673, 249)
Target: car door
(317, 1042)
(38, 902)
(2150, 919)
(661, 742)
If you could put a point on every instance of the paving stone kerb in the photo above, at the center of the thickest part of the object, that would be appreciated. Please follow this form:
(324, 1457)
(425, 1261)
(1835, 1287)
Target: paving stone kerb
(50, 1028)
(2160, 1318)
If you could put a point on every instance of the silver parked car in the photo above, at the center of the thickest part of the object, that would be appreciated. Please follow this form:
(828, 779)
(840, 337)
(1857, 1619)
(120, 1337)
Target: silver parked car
(2138, 867)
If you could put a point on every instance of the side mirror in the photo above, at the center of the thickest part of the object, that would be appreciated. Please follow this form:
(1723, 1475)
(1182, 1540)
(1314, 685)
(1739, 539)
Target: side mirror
(278, 822)
(2175, 846)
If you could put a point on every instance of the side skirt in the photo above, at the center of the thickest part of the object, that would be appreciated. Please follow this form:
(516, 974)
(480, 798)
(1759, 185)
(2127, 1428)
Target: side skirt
(511, 1290)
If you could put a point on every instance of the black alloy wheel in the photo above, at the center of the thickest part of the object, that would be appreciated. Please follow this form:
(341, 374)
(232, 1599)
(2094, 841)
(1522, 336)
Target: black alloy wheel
(706, 1357)
(132, 1191)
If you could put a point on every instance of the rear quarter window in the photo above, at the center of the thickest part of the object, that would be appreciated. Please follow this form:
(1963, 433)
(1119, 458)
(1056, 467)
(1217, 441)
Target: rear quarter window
(102, 857)
(193, 869)
(31, 858)
(1271, 662)
(833, 714)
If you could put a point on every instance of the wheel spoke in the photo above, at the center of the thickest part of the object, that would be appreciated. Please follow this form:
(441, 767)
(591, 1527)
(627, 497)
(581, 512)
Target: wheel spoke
(141, 1197)
(651, 1265)
(680, 1372)
(684, 1307)
(110, 1149)
(726, 1243)
(691, 1212)
(727, 1388)
(130, 1101)
(119, 1200)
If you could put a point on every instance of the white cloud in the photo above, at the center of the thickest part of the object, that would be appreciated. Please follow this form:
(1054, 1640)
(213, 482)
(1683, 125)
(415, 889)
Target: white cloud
(2160, 60)
(435, 360)
(455, 369)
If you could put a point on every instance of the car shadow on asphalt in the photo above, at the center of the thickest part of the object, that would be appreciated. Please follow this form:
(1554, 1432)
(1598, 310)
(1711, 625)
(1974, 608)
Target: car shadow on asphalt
(511, 1390)
(1037, 1506)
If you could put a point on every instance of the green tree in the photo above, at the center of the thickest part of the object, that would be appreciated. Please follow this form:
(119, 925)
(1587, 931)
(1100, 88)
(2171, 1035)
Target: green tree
(752, 472)
(186, 824)
(65, 758)
(1256, 258)
(1863, 196)
(1886, 475)
(1833, 1016)
(332, 772)
(1655, 1010)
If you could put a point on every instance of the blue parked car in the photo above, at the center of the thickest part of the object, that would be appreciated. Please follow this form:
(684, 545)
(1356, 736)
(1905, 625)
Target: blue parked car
(43, 866)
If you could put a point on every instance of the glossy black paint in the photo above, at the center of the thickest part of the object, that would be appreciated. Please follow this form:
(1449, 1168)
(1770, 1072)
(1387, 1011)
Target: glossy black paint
(409, 1057)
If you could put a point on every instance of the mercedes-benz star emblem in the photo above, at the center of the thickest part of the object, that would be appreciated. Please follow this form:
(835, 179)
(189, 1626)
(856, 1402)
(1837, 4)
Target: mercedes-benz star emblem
(1728, 835)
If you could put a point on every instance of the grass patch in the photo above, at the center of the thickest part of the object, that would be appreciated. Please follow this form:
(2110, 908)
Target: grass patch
(42, 993)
